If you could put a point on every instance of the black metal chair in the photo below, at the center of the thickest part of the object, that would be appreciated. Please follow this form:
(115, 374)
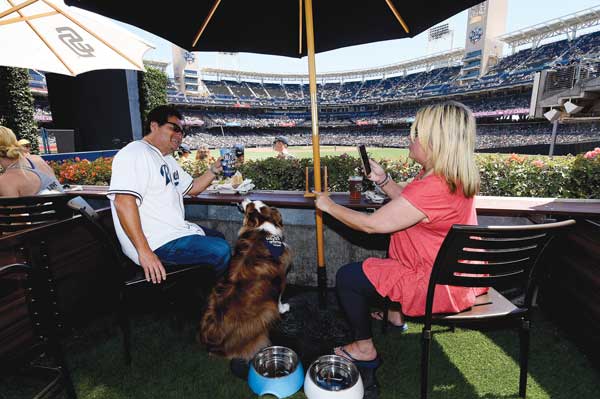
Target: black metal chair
(132, 275)
(497, 257)
(29, 326)
(20, 213)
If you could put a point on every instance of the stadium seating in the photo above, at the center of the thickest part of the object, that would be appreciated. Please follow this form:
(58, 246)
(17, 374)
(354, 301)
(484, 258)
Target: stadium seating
(514, 70)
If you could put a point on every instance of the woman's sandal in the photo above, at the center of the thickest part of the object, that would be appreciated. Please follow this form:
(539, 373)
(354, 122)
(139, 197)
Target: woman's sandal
(401, 328)
(369, 364)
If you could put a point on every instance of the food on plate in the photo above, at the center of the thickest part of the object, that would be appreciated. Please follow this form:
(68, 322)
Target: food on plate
(232, 185)
(236, 179)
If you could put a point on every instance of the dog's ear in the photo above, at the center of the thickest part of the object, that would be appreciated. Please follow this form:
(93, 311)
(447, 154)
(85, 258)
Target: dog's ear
(276, 218)
(242, 206)
(252, 217)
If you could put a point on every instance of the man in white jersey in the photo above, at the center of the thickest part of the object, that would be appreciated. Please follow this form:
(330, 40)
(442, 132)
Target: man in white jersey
(146, 192)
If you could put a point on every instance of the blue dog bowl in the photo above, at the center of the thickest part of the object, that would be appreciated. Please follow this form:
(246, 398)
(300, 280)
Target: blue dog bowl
(276, 370)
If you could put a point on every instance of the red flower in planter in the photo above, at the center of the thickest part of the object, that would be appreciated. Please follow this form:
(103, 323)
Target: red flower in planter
(516, 158)
(540, 164)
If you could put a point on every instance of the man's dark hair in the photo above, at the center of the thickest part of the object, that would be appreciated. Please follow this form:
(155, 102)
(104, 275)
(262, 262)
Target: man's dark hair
(160, 115)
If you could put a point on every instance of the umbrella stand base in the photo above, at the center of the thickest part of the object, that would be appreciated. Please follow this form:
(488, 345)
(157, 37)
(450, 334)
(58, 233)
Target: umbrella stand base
(309, 329)
(312, 331)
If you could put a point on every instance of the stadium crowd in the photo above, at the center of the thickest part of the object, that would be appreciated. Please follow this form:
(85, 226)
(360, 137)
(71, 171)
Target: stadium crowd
(495, 135)
(390, 115)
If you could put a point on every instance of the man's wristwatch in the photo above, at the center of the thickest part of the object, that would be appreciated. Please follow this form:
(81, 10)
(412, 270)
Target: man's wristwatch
(213, 170)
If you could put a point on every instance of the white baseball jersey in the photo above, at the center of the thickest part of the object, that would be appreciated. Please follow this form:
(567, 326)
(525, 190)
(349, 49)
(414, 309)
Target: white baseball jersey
(158, 183)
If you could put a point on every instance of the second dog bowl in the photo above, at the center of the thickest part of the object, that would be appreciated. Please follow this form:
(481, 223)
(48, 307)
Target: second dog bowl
(276, 370)
(333, 377)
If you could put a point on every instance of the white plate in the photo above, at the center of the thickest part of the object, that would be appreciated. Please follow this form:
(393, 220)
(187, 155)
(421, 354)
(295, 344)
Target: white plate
(227, 191)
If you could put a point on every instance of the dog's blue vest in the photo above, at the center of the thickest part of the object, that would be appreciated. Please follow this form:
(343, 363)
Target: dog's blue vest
(275, 245)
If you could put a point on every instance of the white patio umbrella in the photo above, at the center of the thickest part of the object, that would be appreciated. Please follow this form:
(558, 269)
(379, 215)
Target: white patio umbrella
(49, 36)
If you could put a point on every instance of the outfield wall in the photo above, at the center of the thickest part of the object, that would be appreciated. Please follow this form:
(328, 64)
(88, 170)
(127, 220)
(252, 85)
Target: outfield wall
(543, 149)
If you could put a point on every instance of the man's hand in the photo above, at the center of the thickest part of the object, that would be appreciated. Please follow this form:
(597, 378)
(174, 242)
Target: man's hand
(216, 168)
(200, 183)
(129, 217)
(153, 268)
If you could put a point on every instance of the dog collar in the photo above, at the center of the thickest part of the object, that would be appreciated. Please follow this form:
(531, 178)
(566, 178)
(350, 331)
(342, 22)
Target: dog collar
(275, 245)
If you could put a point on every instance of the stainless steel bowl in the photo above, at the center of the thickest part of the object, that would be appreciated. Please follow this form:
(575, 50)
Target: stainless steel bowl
(333, 373)
(275, 362)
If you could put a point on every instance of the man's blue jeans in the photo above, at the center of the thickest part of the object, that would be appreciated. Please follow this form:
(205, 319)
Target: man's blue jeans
(211, 249)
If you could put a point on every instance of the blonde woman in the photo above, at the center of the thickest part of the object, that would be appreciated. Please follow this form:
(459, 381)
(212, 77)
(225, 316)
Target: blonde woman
(203, 154)
(418, 217)
(24, 174)
(26, 144)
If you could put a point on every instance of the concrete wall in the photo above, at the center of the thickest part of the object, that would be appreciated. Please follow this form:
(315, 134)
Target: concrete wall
(342, 245)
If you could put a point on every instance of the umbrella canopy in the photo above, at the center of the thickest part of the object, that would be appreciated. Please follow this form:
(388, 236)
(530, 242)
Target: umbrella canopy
(273, 26)
(47, 35)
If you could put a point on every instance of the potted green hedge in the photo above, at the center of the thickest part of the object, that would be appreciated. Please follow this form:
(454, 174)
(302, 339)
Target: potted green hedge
(501, 175)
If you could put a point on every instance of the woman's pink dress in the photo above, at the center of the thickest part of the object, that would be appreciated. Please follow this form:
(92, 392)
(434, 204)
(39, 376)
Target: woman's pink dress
(404, 276)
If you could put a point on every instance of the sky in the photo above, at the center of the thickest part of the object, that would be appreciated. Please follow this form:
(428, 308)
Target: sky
(521, 14)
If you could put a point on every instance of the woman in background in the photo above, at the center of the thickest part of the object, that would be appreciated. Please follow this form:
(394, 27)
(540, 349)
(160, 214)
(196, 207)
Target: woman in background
(203, 154)
(26, 144)
(24, 174)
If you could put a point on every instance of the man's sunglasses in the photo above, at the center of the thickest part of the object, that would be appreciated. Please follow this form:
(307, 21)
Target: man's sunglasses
(176, 128)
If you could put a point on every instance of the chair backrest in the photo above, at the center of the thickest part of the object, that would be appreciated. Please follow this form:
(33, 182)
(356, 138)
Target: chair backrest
(20, 213)
(491, 256)
(82, 207)
(30, 325)
(24, 316)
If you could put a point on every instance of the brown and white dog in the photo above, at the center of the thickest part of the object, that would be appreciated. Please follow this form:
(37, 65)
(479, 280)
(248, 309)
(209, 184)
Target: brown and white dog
(243, 305)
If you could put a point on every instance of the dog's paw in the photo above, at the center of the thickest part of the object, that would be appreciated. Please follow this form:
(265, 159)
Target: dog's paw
(284, 307)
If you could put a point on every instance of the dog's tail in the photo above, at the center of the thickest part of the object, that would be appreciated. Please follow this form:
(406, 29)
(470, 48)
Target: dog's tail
(211, 331)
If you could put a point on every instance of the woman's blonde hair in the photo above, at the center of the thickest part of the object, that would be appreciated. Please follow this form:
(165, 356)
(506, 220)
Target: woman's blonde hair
(446, 132)
(202, 152)
(9, 148)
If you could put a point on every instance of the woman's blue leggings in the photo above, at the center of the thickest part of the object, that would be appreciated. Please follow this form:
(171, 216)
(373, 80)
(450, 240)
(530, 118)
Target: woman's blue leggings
(354, 292)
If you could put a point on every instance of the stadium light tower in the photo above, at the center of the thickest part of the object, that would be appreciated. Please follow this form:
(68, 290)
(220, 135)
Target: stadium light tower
(572, 108)
(553, 116)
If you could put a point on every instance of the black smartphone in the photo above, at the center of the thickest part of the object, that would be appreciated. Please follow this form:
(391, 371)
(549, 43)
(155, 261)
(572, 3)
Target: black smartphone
(364, 159)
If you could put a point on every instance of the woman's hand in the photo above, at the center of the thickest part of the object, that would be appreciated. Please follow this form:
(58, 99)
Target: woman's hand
(323, 202)
(377, 174)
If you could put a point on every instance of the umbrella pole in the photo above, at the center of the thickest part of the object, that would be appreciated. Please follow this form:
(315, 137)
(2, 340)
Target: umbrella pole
(314, 112)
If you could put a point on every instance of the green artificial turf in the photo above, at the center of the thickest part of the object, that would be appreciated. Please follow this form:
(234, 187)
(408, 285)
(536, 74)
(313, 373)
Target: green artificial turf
(464, 364)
